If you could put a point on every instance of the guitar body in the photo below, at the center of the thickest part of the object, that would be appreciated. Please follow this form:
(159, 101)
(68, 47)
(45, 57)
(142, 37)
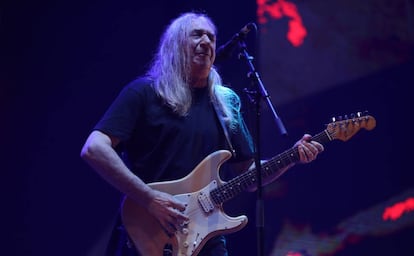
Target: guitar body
(206, 219)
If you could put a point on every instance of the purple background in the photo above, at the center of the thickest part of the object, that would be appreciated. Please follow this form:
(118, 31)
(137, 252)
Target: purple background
(64, 62)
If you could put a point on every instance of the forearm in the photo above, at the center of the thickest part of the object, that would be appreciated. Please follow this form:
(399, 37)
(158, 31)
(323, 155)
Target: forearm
(100, 155)
(250, 165)
(268, 179)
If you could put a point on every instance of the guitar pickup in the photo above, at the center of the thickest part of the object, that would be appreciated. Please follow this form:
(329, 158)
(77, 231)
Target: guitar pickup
(204, 197)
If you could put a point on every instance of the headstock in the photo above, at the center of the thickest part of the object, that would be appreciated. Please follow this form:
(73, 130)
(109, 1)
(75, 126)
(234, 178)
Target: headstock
(343, 128)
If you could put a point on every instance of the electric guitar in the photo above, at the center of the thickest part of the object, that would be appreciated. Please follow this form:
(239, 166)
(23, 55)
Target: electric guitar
(204, 193)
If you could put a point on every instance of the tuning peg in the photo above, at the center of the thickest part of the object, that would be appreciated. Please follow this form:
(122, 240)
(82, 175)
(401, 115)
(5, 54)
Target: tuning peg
(346, 117)
(361, 114)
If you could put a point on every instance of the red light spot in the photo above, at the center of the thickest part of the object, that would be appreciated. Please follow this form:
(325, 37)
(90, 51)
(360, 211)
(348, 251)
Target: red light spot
(279, 9)
(395, 211)
(294, 254)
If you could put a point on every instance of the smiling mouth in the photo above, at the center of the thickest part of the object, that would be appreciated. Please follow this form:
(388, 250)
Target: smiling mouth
(202, 54)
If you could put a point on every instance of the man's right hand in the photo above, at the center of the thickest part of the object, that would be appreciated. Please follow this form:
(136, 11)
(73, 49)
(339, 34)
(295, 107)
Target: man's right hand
(168, 211)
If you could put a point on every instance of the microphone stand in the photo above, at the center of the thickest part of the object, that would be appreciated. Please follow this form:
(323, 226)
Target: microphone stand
(260, 93)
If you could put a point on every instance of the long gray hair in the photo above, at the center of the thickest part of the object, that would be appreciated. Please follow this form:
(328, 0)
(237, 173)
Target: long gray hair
(170, 71)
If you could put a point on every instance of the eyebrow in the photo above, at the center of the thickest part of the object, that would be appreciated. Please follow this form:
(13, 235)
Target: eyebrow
(203, 31)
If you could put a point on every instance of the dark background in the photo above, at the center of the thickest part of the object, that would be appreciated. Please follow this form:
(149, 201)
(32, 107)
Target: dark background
(64, 62)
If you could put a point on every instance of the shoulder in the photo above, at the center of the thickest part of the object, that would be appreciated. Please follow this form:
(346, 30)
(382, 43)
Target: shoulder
(139, 84)
(139, 88)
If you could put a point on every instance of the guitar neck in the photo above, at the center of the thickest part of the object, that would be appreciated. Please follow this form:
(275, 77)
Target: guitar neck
(273, 167)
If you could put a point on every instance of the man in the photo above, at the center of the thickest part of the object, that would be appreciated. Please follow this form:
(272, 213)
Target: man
(163, 124)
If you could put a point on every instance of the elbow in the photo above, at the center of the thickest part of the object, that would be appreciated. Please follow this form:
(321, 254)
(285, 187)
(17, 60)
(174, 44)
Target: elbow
(96, 145)
(85, 152)
(89, 150)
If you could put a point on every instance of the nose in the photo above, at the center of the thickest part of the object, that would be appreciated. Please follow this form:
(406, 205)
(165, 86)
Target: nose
(205, 38)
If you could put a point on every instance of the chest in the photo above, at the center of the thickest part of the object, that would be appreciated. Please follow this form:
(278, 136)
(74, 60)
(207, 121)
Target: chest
(200, 124)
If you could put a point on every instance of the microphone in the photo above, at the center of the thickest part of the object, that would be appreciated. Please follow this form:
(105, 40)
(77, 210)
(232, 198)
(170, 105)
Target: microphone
(225, 51)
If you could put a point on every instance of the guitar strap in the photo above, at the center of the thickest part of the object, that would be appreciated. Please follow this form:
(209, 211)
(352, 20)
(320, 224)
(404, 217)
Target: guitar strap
(225, 130)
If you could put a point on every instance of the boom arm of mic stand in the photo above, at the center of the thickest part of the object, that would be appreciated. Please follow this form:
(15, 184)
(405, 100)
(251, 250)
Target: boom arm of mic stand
(263, 91)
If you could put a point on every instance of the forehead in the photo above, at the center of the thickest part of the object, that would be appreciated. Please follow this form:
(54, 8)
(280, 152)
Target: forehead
(201, 23)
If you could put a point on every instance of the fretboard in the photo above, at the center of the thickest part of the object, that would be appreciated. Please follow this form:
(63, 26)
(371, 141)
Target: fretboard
(274, 166)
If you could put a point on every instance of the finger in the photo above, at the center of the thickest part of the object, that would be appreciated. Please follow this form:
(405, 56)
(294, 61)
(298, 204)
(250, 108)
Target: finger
(177, 222)
(309, 150)
(179, 209)
(174, 224)
(175, 203)
(318, 146)
(179, 206)
(302, 153)
(306, 137)
(169, 228)
(313, 151)
(180, 217)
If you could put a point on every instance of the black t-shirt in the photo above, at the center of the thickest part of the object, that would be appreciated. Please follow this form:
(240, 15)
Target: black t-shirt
(159, 145)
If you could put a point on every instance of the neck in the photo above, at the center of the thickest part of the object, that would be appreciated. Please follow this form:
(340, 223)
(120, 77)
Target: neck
(199, 82)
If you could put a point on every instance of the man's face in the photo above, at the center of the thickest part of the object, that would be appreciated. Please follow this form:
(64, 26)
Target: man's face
(202, 44)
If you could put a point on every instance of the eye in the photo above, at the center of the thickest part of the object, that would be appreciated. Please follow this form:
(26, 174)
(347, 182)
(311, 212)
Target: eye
(198, 33)
(211, 36)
